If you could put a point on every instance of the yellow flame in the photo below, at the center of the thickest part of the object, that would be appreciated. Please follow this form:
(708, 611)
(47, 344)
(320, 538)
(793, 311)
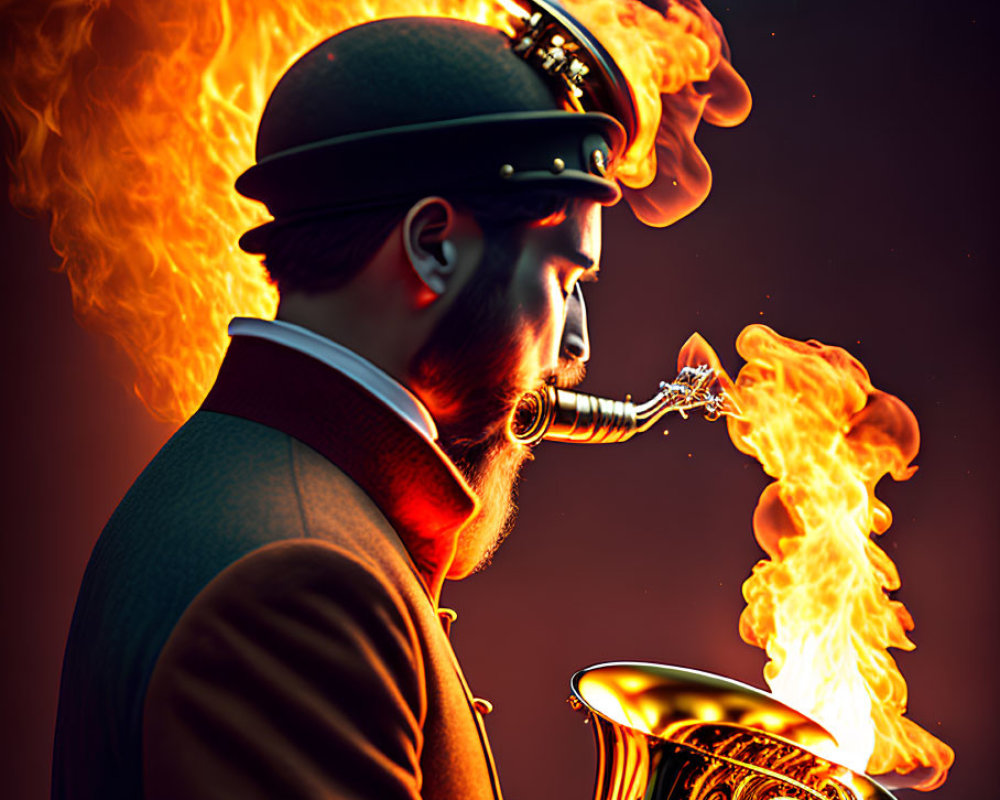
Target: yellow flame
(819, 605)
(133, 119)
(658, 55)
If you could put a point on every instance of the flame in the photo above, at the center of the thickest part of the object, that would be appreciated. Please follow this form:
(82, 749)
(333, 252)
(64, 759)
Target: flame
(819, 605)
(133, 118)
(677, 63)
(695, 351)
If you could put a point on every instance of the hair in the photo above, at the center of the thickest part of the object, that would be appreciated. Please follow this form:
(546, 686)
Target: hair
(325, 253)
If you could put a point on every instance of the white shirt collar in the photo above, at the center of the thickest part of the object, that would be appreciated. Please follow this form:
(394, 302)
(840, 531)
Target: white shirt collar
(390, 391)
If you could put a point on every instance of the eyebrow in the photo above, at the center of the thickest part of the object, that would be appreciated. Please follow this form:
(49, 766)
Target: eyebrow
(581, 259)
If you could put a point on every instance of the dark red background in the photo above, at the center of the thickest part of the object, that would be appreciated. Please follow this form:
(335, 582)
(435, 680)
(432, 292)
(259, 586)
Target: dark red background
(857, 206)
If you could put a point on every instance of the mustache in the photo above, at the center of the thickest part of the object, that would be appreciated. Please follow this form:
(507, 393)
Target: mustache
(570, 372)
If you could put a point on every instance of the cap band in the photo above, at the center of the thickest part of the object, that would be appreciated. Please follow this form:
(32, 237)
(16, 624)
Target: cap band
(564, 151)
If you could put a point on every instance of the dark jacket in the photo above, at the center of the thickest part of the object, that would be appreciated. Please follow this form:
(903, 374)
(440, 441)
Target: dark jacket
(259, 618)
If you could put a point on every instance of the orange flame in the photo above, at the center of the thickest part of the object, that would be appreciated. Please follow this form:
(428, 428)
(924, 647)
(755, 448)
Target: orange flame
(677, 64)
(133, 118)
(819, 604)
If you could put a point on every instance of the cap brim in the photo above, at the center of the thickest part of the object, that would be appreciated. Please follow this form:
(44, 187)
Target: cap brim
(546, 151)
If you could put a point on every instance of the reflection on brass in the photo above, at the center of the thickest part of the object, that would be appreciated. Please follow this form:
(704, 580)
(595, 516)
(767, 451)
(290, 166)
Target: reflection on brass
(566, 416)
(667, 733)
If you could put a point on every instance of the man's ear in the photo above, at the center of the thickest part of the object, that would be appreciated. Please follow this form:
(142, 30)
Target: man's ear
(432, 255)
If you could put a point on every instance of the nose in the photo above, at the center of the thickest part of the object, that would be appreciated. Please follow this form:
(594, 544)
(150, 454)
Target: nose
(575, 339)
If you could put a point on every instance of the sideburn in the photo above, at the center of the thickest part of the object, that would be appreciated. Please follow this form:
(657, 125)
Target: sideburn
(471, 362)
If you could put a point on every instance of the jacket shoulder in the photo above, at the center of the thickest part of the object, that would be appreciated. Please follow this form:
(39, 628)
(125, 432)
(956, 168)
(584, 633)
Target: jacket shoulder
(296, 672)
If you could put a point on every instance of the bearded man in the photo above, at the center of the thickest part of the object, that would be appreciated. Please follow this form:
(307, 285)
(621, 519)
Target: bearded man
(260, 617)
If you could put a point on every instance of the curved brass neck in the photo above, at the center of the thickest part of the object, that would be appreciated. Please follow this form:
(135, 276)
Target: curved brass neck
(562, 415)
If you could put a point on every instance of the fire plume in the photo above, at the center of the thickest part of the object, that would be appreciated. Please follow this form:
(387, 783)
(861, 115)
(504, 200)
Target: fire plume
(133, 118)
(819, 604)
(676, 58)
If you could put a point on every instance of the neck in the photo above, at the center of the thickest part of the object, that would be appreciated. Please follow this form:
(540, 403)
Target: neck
(343, 317)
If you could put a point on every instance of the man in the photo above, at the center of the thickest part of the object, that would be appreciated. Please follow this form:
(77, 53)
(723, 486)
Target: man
(260, 616)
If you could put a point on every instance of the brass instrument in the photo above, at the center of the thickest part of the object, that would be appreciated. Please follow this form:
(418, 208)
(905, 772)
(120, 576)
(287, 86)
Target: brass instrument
(667, 733)
(563, 415)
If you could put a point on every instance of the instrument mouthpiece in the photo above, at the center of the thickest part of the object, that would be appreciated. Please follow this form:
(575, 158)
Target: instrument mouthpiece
(562, 415)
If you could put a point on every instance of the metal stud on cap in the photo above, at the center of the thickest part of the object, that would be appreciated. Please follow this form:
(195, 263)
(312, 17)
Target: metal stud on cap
(482, 705)
(558, 165)
(599, 162)
(506, 171)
